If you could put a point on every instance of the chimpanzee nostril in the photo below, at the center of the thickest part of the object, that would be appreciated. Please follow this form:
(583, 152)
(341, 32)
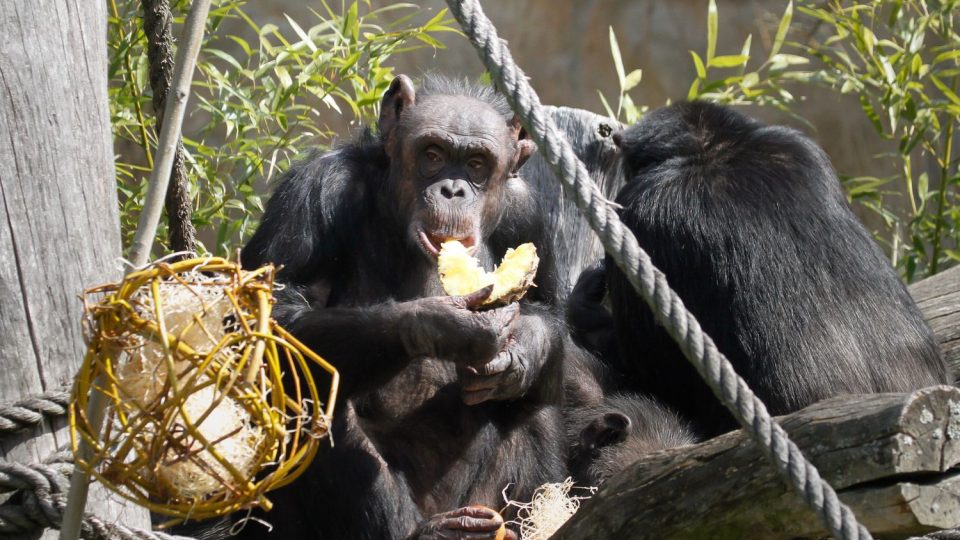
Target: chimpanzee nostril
(451, 190)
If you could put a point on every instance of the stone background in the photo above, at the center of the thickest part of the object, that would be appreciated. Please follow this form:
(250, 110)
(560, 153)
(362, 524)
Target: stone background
(563, 47)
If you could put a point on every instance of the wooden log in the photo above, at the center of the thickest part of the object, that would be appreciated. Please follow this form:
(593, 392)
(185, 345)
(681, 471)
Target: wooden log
(59, 224)
(887, 455)
(938, 298)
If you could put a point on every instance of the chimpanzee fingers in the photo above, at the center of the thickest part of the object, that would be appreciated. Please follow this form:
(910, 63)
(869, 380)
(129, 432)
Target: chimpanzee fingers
(499, 364)
(471, 524)
(474, 299)
(475, 519)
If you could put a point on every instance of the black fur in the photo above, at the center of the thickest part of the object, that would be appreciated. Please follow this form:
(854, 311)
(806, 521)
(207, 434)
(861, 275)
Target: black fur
(751, 227)
(411, 441)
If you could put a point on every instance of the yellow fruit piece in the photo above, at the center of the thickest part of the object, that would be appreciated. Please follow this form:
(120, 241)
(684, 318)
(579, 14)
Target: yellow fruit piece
(462, 274)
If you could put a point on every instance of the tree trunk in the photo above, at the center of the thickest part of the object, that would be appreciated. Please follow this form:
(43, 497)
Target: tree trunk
(938, 298)
(891, 457)
(59, 227)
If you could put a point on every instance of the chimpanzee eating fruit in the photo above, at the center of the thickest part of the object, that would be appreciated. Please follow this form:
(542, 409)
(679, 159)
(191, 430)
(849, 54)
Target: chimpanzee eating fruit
(443, 406)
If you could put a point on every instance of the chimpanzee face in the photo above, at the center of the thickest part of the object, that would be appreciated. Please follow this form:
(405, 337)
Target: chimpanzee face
(450, 159)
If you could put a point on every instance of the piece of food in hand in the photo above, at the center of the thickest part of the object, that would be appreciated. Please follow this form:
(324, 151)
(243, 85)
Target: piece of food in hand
(461, 273)
(502, 531)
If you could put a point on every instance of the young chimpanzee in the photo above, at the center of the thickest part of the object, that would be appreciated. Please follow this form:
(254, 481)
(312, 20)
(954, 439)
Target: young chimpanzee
(442, 406)
(751, 227)
(607, 432)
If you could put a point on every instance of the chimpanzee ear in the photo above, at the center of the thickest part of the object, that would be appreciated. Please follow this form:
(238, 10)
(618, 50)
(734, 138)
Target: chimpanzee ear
(611, 428)
(398, 97)
(525, 147)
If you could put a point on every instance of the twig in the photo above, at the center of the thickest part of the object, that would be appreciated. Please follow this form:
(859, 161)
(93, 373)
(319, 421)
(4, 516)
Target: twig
(157, 22)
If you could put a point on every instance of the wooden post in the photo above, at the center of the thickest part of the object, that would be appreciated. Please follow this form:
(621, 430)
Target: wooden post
(59, 226)
(938, 298)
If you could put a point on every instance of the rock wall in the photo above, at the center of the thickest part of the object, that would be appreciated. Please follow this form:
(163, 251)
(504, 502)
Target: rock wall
(563, 47)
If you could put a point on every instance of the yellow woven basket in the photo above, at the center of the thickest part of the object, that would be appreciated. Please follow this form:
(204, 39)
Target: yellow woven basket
(211, 404)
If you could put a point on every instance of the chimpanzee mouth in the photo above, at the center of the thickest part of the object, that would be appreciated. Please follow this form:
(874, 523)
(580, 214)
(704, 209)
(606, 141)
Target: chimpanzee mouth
(431, 242)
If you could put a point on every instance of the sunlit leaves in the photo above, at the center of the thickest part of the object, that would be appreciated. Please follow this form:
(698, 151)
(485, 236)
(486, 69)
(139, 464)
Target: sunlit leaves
(257, 100)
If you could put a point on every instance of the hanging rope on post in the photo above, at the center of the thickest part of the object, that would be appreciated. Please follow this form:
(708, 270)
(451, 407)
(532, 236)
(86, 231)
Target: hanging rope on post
(649, 282)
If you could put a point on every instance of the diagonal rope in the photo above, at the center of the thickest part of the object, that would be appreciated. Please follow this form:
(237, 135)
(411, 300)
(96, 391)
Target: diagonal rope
(649, 282)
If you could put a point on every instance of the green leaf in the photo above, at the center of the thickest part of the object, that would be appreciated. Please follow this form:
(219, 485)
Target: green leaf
(304, 38)
(284, 76)
(728, 61)
(617, 59)
(606, 106)
(871, 113)
(946, 55)
(712, 24)
(633, 79)
(947, 92)
(782, 29)
(694, 91)
(745, 50)
(781, 61)
(869, 40)
(698, 64)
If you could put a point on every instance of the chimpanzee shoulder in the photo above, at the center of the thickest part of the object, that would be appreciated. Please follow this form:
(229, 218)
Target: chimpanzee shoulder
(317, 205)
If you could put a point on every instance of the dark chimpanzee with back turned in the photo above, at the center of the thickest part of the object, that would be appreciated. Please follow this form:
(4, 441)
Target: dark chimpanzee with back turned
(752, 229)
(442, 407)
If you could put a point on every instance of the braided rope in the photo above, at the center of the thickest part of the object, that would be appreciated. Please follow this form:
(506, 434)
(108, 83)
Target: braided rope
(31, 410)
(650, 282)
(42, 501)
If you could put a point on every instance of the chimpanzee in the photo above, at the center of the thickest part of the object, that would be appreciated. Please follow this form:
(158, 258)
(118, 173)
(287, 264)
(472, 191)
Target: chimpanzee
(607, 437)
(442, 406)
(607, 432)
(575, 245)
(751, 227)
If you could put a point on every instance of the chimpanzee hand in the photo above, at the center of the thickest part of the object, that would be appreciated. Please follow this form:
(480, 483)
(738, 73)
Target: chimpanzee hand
(513, 370)
(445, 327)
(467, 523)
(591, 324)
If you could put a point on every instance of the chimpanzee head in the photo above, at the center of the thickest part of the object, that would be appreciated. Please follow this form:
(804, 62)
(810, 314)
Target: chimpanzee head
(452, 148)
(606, 438)
(679, 133)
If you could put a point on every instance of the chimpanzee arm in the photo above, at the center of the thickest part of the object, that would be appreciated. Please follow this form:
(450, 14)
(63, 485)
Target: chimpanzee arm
(371, 344)
(314, 210)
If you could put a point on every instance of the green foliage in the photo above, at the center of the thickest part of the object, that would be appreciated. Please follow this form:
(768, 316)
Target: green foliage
(722, 78)
(260, 96)
(900, 58)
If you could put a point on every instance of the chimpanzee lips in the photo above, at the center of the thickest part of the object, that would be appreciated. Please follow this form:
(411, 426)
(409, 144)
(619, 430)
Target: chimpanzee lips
(430, 241)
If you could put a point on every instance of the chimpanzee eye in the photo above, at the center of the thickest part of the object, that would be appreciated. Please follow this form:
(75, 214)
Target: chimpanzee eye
(432, 161)
(476, 164)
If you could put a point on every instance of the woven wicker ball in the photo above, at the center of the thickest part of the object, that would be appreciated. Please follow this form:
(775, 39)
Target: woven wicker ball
(210, 404)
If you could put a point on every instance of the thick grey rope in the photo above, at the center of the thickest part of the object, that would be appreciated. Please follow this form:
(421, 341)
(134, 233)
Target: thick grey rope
(31, 410)
(44, 486)
(43, 498)
(620, 243)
